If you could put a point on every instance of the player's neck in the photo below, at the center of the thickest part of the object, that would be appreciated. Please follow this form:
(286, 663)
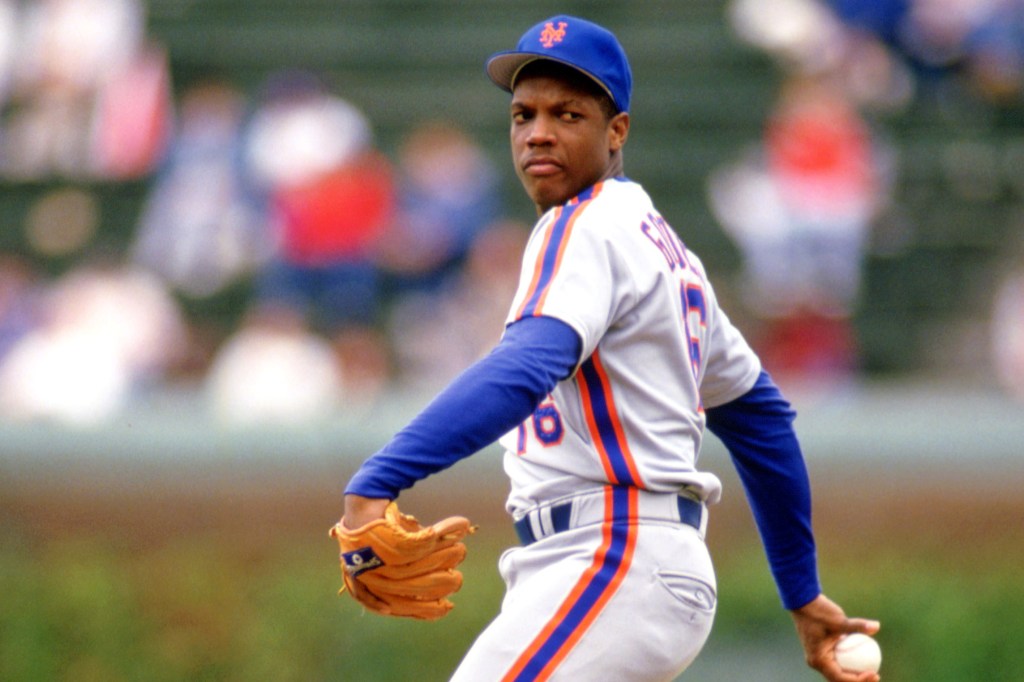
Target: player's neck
(615, 166)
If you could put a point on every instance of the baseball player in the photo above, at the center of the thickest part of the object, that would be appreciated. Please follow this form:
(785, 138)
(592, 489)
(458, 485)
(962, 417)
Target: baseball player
(614, 358)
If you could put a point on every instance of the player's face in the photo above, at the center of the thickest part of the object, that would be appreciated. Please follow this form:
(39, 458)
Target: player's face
(562, 141)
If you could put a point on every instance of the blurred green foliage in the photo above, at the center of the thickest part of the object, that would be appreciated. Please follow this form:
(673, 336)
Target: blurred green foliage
(952, 618)
(199, 609)
(204, 608)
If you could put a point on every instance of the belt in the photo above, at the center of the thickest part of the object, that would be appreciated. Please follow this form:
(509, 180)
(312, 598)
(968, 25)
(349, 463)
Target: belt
(588, 508)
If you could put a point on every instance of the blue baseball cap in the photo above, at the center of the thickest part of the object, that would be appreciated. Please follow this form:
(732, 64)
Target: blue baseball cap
(575, 42)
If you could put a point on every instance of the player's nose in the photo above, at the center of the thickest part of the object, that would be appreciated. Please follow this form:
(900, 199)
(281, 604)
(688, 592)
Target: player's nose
(541, 132)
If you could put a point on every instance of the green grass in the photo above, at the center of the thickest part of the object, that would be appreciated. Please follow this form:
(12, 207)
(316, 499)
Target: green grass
(205, 608)
(197, 609)
(958, 619)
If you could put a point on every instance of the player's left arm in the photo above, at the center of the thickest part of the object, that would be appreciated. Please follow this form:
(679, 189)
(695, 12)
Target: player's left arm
(757, 429)
(819, 625)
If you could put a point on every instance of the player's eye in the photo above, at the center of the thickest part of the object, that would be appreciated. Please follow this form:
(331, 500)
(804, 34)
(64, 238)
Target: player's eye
(519, 116)
(571, 116)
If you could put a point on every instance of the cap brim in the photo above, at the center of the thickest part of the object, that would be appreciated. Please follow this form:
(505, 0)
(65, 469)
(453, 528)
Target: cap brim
(503, 68)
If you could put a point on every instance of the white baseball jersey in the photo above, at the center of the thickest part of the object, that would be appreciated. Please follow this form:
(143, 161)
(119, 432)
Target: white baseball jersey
(656, 350)
(621, 590)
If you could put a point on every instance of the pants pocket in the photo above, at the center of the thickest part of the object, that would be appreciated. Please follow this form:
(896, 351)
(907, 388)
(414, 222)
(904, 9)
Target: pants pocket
(689, 590)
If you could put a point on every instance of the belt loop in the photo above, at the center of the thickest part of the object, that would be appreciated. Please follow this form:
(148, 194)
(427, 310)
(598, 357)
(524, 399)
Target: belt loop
(691, 512)
(561, 516)
(523, 531)
(540, 522)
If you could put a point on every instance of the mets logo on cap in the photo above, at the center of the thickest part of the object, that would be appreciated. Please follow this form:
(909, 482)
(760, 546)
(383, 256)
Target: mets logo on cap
(551, 35)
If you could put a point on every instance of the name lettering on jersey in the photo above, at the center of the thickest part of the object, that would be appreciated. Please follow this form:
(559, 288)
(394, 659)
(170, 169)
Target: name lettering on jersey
(661, 234)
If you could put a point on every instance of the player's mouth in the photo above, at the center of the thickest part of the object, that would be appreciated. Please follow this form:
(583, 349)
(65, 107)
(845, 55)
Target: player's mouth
(541, 166)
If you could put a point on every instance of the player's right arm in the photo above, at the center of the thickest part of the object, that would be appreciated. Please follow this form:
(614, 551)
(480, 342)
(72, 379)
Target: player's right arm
(482, 404)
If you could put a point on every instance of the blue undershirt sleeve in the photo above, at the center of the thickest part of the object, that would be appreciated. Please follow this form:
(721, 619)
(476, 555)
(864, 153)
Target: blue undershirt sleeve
(482, 404)
(757, 429)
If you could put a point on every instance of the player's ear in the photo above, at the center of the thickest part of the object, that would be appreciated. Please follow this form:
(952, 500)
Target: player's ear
(618, 131)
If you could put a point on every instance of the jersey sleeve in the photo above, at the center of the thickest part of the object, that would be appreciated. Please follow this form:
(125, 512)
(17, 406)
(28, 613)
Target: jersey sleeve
(757, 429)
(571, 272)
(481, 404)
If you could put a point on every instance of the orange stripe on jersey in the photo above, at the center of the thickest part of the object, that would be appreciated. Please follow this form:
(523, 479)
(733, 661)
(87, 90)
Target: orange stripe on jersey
(613, 585)
(549, 260)
(538, 267)
(588, 413)
(605, 426)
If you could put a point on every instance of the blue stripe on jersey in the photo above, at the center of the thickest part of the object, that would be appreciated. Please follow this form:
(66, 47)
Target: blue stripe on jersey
(592, 593)
(550, 257)
(601, 412)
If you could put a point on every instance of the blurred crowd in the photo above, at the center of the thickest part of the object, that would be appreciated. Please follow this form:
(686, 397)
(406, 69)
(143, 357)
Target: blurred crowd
(802, 202)
(86, 93)
(364, 271)
(886, 52)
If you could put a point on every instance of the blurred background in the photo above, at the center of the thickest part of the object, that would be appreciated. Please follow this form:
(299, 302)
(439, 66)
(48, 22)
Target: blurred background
(242, 242)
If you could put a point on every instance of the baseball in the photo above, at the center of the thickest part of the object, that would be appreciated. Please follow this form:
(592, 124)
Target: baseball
(858, 653)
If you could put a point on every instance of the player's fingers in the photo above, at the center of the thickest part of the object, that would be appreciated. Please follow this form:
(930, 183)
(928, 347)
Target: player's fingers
(824, 661)
(452, 529)
(863, 625)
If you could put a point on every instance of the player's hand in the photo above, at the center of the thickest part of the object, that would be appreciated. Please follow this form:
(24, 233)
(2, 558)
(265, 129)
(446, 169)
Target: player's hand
(394, 566)
(360, 510)
(820, 624)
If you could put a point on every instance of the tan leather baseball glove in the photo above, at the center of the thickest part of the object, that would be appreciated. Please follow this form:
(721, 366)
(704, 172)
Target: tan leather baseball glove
(396, 567)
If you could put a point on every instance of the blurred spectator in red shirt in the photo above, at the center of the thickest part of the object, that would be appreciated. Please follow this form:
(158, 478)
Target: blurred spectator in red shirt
(330, 196)
(800, 209)
(447, 196)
